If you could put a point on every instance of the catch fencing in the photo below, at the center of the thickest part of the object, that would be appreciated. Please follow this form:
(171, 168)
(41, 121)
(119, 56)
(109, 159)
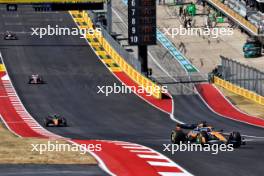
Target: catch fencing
(242, 75)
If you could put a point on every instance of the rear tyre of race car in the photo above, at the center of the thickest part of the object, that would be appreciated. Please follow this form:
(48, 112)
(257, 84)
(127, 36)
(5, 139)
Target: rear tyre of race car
(40, 81)
(64, 123)
(46, 123)
(235, 139)
(177, 136)
(30, 81)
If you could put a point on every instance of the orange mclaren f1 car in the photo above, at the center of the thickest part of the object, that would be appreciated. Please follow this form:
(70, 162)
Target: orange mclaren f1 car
(204, 134)
(55, 121)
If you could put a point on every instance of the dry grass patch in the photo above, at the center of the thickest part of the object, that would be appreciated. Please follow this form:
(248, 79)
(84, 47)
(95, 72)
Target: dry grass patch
(244, 104)
(15, 150)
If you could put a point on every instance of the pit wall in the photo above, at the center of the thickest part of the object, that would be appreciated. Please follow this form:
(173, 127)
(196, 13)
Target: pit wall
(239, 91)
(150, 87)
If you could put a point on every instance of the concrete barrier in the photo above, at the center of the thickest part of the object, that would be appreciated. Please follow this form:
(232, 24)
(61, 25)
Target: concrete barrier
(150, 87)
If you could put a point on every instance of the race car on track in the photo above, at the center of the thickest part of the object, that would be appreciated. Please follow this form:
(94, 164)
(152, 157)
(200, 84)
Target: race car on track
(10, 36)
(35, 79)
(204, 134)
(55, 121)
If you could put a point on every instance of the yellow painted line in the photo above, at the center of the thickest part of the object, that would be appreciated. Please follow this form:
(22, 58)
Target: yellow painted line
(2, 67)
(102, 53)
(79, 20)
(115, 69)
(95, 44)
(98, 48)
(108, 61)
(103, 56)
(112, 65)
(92, 40)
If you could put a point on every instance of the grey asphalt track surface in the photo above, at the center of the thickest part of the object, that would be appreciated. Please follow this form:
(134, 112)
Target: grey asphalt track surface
(73, 72)
(51, 170)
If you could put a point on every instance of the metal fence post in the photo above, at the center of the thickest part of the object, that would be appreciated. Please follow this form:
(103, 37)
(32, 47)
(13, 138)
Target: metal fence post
(242, 75)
